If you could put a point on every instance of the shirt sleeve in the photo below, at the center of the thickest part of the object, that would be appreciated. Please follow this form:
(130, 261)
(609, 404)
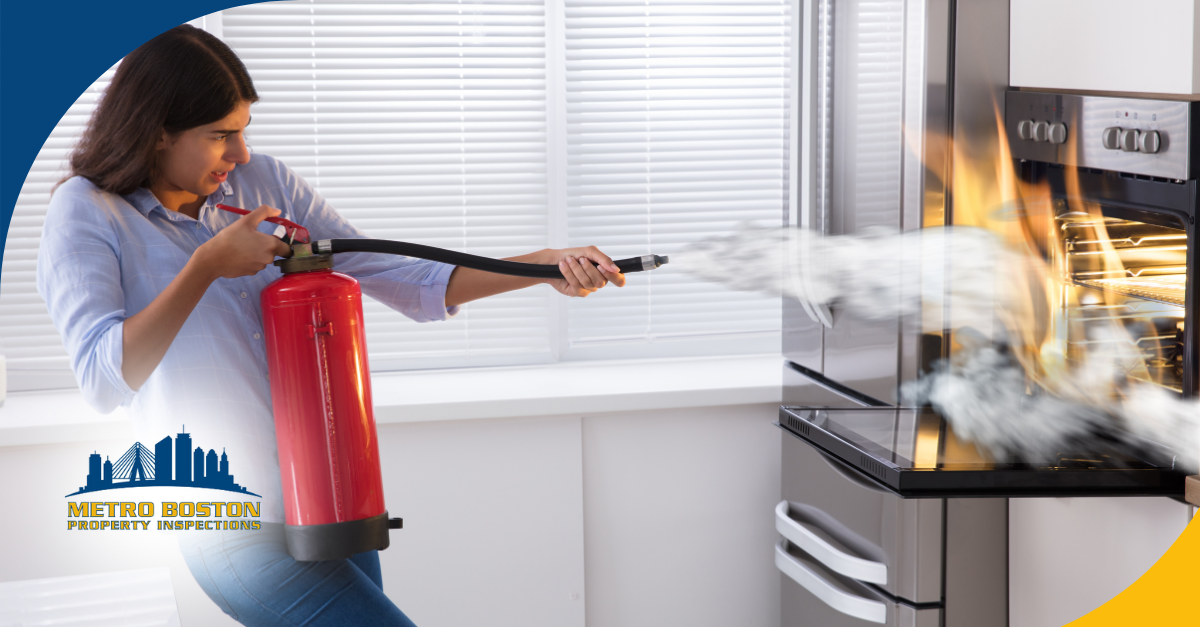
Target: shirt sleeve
(414, 287)
(79, 277)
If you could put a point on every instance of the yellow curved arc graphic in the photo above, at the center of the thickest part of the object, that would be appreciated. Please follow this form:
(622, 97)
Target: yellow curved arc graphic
(1165, 595)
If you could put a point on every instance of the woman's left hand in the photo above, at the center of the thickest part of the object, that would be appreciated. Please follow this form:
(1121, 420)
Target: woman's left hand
(585, 270)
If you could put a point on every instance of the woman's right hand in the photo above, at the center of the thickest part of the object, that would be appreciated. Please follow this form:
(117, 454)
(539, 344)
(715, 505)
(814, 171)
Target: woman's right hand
(240, 249)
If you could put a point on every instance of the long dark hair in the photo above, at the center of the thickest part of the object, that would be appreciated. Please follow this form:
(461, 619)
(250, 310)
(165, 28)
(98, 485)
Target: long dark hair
(177, 81)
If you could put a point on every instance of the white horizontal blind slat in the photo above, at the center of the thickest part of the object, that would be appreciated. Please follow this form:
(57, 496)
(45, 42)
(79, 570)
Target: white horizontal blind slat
(418, 122)
(675, 123)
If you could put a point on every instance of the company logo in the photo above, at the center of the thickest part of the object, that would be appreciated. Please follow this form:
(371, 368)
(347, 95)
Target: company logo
(139, 467)
(172, 464)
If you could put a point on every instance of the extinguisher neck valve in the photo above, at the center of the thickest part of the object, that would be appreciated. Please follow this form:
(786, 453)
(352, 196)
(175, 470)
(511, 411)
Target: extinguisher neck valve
(310, 263)
(301, 250)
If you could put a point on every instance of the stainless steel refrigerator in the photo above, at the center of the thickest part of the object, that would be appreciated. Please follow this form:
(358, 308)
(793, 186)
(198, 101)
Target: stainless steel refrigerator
(881, 88)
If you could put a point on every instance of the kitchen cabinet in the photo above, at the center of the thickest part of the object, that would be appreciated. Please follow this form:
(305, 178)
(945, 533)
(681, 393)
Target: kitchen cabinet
(1068, 556)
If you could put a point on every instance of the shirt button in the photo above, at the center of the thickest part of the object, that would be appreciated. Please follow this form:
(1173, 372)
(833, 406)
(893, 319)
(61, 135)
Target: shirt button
(197, 225)
(257, 336)
(243, 294)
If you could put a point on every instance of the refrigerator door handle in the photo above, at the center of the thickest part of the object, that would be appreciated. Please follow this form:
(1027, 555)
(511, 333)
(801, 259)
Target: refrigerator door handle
(824, 552)
(844, 602)
(799, 275)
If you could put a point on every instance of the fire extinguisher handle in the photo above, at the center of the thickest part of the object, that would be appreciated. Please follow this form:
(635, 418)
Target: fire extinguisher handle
(294, 232)
(486, 264)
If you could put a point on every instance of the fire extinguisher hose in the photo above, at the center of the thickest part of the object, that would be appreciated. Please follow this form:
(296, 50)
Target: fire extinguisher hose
(486, 264)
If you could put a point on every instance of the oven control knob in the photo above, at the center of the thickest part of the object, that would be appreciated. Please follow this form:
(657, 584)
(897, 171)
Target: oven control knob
(1111, 137)
(1058, 133)
(1128, 140)
(1025, 129)
(1149, 142)
(1041, 131)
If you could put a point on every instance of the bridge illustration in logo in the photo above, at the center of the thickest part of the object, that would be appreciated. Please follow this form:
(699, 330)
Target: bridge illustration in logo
(139, 467)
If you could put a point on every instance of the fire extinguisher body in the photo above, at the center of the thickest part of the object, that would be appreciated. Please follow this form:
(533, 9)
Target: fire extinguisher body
(324, 424)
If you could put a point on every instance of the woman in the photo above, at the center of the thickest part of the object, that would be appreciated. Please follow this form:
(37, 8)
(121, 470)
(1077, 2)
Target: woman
(156, 294)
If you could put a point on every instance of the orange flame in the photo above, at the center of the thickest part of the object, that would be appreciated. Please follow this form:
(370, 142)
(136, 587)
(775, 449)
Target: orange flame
(1041, 314)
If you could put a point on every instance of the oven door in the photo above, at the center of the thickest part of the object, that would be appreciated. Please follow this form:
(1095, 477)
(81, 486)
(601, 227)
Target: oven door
(813, 596)
(848, 522)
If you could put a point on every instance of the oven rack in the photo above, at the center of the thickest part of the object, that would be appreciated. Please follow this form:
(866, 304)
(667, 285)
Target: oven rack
(1169, 289)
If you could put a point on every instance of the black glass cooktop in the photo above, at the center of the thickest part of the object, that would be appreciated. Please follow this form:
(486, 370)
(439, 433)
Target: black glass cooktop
(914, 452)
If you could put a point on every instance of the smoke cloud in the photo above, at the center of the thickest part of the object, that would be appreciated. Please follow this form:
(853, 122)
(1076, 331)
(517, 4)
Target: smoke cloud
(991, 290)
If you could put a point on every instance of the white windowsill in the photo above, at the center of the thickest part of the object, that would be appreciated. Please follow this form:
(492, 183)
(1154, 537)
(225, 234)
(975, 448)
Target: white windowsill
(419, 396)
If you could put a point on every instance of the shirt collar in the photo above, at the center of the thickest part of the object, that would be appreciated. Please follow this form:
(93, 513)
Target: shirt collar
(145, 202)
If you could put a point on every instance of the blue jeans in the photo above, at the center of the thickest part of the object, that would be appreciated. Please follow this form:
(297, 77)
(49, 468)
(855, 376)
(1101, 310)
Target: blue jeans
(251, 577)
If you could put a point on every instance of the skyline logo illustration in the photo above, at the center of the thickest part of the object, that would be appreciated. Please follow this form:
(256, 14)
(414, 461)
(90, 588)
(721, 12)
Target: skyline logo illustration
(140, 467)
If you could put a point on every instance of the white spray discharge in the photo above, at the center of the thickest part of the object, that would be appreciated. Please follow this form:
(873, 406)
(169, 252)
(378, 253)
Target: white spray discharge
(878, 276)
(983, 391)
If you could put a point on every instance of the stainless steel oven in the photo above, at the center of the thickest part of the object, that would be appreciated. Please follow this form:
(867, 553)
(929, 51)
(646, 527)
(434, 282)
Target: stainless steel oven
(1121, 177)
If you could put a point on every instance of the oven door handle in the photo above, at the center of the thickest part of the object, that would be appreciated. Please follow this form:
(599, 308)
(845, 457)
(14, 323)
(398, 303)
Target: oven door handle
(850, 474)
(836, 560)
(840, 600)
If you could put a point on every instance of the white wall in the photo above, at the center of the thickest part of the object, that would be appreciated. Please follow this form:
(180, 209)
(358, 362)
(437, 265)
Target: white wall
(1105, 45)
(493, 521)
(679, 517)
(656, 517)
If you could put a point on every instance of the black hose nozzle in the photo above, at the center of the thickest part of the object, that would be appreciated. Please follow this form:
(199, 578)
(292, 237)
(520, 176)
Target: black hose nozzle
(640, 264)
(486, 264)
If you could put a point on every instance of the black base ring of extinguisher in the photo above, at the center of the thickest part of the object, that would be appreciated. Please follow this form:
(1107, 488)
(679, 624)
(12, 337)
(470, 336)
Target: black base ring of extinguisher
(335, 541)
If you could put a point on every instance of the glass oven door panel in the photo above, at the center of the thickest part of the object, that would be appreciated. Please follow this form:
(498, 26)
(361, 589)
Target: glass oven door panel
(1128, 282)
(861, 518)
(864, 355)
(801, 390)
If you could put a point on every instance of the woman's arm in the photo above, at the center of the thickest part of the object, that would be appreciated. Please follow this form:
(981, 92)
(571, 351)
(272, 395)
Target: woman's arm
(426, 290)
(585, 270)
(237, 250)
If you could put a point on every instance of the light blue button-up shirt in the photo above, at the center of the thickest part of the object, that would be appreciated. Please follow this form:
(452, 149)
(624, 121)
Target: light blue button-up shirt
(105, 257)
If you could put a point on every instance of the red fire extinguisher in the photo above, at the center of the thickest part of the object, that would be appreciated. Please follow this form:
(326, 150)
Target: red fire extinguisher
(321, 397)
(324, 424)
(321, 389)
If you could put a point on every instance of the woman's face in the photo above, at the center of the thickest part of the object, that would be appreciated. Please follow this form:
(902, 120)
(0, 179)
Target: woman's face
(196, 161)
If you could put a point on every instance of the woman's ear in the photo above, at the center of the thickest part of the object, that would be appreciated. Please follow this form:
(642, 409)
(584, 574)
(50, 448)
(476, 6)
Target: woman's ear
(164, 140)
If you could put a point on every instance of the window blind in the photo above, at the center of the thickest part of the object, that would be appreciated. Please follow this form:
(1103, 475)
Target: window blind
(428, 123)
(32, 347)
(418, 122)
(676, 117)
